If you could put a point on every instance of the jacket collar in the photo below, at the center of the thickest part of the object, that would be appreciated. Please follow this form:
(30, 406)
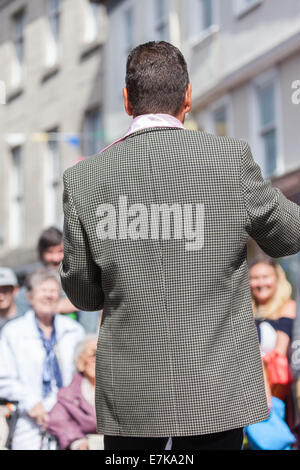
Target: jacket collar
(61, 326)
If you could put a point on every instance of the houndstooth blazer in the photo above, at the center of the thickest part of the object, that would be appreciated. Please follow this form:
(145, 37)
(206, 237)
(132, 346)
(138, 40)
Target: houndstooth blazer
(178, 351)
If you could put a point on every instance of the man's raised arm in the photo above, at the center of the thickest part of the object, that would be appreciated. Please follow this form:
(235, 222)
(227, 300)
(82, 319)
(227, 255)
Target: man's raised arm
(273, 220)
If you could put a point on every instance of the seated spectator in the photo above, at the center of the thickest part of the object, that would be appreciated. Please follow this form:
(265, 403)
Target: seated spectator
(74, 416)
(8, 289)
(51, 252)
(36, 358)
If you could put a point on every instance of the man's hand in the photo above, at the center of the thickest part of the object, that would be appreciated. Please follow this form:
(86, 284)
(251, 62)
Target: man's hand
(40, 415)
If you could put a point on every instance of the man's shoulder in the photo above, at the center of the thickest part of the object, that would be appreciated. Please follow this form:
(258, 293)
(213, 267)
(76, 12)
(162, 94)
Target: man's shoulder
(224, 144)
(189, 138)
(80, 167)
(208, 138)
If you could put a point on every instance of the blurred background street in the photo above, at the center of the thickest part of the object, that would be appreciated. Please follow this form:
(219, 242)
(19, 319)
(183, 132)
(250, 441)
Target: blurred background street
(62, 70)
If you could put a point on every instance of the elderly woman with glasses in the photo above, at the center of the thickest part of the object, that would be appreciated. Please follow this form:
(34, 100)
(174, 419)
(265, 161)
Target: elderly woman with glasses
(73, 418)
(36, 358)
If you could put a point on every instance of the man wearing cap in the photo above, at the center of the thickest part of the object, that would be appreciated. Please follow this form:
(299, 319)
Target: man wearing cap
(8, 289)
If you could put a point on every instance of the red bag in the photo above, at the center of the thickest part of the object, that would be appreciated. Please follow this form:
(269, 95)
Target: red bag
(279, 374)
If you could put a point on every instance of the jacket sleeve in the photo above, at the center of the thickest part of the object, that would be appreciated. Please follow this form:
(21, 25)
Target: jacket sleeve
(273, 221)
(80, 276)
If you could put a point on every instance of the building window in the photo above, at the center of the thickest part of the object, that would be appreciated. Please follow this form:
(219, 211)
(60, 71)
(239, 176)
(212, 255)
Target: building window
(244, 6)
(220, 121)
(161, 20)
(52, 206)
(128, 30)
(93, 21)
(18, 40)
(218, 117)
(206, 13)
(201, 19)
(265, 123)
(267, 126)
(93, 133)
(17, 199)
(54, 12)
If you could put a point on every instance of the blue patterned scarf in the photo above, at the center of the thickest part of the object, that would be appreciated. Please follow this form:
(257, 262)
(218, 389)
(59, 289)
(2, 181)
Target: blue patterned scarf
(51, 368)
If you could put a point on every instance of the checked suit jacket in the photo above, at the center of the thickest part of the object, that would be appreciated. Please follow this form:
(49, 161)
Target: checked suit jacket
(178, 351)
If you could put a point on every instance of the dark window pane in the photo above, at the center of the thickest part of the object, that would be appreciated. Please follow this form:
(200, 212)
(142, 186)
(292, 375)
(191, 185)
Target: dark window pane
(93, 133)
(207, 13)
(270, 152)
(267, 104)
(220, 118)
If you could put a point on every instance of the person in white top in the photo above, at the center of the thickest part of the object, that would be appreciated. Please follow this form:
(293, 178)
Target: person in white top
(36, 358)
(274, 309)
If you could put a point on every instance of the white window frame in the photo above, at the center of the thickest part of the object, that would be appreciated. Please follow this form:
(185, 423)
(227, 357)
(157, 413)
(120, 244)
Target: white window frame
(195, 36)
(94, 21)
(52, 179)
(223, 102)
(53, 44)
(241, 7)
(271, 75)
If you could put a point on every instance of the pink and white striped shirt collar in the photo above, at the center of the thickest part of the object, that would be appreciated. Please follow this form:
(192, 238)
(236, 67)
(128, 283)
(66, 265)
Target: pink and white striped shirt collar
(145, 121)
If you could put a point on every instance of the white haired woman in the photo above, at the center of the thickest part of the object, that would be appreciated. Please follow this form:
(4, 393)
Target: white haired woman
(73, 418)
(36, 358)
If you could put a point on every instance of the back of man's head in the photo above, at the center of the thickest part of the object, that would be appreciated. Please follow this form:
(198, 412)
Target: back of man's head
(156, 78)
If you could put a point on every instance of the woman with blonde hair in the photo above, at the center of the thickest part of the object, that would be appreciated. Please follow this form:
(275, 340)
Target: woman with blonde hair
(274, 311)
(273, 307)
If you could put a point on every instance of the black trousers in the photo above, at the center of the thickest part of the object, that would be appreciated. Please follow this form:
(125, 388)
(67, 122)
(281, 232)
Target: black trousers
(227, 440)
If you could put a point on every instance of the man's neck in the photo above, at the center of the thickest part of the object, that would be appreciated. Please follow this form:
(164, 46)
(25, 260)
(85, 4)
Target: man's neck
(9, 312)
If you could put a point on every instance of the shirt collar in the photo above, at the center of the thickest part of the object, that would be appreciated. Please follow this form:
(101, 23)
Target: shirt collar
(149, 120)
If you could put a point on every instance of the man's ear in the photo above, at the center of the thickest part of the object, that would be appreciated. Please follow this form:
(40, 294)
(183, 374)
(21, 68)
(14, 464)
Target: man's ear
(188, 98)
(127, 104)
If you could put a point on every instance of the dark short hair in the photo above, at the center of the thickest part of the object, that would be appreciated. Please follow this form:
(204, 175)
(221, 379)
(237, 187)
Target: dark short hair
(156, 78)
(51, 236)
